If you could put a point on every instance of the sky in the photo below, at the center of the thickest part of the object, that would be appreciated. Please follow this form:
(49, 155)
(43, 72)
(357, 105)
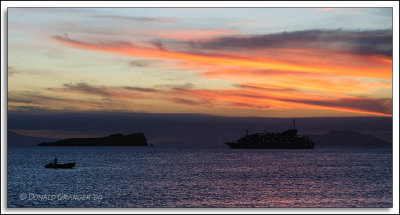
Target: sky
(237, 62)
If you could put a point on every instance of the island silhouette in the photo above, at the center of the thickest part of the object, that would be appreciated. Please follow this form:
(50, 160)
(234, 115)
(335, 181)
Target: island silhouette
(136, 139)
(346, 138)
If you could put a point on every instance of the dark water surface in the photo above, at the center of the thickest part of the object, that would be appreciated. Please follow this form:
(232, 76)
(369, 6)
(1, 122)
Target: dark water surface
(173, 177)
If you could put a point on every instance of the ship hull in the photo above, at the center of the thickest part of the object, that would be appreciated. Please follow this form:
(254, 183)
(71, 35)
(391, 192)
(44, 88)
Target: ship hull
(245, 146)
(285, 140)
(60, 166)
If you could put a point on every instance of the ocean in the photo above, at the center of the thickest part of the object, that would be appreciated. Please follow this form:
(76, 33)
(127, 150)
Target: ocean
(156, 177)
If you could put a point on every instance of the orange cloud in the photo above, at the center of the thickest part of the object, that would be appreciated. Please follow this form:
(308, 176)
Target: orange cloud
(132, 50)
(325, 57)
(326, 84)
(297, 100)
(186, 34)
(329, 8)
(276, 101)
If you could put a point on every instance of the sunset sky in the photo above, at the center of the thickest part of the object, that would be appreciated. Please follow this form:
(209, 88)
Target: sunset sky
(261, 62)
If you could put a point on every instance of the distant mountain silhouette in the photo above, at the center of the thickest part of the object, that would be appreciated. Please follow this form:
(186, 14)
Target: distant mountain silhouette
(137, 139)
(347, 139)
(14, 139)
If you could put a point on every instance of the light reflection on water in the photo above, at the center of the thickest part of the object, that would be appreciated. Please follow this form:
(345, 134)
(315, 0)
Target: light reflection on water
(172, 177)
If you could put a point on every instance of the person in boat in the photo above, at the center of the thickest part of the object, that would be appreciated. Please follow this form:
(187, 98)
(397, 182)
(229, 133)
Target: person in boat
(55, 161)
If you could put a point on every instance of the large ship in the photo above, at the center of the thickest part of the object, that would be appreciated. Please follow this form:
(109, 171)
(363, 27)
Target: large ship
(284, 140)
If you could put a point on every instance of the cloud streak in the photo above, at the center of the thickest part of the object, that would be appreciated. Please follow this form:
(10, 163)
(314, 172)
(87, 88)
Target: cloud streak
(29, 101)
(138, 19)
(374, 42)
(247, 96)
(129, 49)
(268, 99)
(362, 105)
(107, 92)
(332, 85)
(12, 71)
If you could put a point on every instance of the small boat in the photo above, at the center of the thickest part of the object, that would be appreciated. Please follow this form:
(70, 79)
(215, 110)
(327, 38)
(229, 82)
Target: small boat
(61, 166)
(56, 165)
